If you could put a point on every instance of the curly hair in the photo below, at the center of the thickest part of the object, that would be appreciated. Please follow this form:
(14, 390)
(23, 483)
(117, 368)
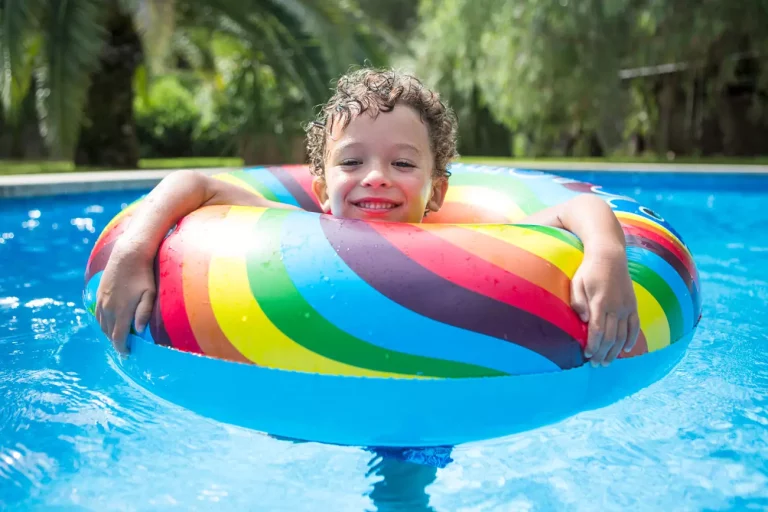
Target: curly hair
(375, 91)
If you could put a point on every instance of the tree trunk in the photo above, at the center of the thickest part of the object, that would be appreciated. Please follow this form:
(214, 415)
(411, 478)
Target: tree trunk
(108, 137)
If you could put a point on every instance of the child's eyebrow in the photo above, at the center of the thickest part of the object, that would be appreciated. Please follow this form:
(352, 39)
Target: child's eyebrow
(346, 145)
(407, 146)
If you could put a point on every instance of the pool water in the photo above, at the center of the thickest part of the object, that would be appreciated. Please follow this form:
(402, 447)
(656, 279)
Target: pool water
(76, 435)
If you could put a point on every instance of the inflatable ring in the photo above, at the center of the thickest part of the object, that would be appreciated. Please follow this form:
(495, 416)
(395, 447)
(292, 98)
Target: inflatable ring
(306, 326)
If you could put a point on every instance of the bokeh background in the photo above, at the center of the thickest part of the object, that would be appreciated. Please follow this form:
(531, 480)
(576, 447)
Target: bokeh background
(105, 84)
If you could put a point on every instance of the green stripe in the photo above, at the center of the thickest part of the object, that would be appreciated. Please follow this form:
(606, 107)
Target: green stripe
(561, 234)
(288, 311)
(510, 186)
(261, 187)
(663, 293)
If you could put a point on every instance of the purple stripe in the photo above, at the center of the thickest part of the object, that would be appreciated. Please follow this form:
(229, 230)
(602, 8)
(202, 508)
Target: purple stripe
(296, 190)
(156, 324)
(375, 260)
(674, 262)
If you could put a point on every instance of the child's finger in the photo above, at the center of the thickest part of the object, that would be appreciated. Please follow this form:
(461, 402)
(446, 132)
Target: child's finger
(579, 301)
(144, 310)
(120, 332)
(99, 318)
(609, 339)
(633, 324)
(621, 340)
(595, 337)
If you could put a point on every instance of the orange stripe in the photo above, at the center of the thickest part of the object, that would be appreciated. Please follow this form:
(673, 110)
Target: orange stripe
(197, 256)
(640, 348)
(511, 258)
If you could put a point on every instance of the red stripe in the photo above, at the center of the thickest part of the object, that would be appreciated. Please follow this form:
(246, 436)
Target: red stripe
(687, 259)
(116, 226)
(653, 227)
(664, 242)
(171, 294)
(508, 256)
(109, 237)
(473, 273)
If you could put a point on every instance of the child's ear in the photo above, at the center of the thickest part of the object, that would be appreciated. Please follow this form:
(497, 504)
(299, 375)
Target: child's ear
(321, 193)
(439, 189)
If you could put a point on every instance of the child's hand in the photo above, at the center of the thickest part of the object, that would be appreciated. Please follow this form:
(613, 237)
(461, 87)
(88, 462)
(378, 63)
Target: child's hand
(126, 293)
(602, 294)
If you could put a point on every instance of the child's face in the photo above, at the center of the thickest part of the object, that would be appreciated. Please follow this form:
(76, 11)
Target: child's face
(380, 169)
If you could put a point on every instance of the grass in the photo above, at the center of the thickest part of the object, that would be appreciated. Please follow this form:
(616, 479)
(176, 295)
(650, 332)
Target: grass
(15, 167)
(8, 167)
(188, 163)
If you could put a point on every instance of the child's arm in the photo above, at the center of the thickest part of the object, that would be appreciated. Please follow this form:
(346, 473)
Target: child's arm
(601, 292)
(127, 289)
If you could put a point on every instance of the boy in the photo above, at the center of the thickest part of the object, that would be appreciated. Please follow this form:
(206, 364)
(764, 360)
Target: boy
(379, 151)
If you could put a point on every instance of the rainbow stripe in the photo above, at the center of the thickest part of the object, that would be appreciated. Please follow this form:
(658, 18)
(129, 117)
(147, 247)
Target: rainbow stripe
(299, 291)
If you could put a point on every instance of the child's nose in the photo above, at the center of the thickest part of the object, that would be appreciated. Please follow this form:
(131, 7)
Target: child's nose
(376, 177)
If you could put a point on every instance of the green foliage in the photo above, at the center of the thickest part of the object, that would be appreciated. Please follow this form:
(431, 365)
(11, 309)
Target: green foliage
(559, 68)
(74, 37)
(170, 123)
(19, 50)
(284, 49)
(58, 44)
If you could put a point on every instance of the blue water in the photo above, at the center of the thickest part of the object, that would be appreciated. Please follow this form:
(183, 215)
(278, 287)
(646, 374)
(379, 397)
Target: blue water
(75, 435)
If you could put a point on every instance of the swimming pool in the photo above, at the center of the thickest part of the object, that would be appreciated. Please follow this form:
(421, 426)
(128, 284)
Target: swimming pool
(75, 435)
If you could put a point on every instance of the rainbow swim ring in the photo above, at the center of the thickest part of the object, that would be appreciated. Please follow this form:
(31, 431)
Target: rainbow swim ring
(459, 329)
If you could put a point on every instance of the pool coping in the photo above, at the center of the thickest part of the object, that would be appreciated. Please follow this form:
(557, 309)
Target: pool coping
(30, 185)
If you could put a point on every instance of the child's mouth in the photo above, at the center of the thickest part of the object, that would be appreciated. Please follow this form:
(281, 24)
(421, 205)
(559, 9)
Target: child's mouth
(376, 206)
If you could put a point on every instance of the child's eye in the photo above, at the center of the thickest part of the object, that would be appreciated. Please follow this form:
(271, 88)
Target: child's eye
(403, 163)
(349, 161)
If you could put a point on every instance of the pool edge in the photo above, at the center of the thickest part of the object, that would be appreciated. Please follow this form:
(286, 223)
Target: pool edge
(32, 185)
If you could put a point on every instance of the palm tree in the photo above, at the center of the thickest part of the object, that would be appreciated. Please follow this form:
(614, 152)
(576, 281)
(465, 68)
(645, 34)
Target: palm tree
(80, 58)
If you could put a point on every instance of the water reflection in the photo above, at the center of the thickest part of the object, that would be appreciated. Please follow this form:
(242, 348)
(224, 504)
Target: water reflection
(403, 477)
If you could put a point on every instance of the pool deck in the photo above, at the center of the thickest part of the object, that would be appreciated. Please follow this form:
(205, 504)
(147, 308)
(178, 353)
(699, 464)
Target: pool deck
(29, 185)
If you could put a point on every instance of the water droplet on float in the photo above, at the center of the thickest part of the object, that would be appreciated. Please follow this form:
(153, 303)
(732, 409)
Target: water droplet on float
(333, 297)
(306, 315)
(326, 278)
(245, 318)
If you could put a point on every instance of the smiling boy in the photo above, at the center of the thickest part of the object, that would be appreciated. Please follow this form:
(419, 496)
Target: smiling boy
(379, 151)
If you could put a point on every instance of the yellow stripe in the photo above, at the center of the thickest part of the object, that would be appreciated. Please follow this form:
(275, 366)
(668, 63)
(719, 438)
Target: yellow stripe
(242, 320)
(656, 227)
(486, 198)
(564, 256)
(228, 178)
(653, 321)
